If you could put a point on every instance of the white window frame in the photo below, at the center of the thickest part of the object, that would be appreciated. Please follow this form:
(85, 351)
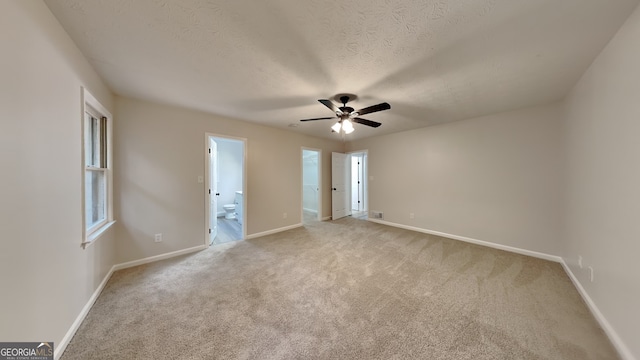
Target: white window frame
(92, 106)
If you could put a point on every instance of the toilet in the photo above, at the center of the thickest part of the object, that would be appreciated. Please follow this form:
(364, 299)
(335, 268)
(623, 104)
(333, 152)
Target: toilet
(230, 211)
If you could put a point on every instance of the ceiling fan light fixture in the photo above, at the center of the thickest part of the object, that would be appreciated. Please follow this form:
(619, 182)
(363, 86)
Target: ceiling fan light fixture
(347, 126)
(336, 127)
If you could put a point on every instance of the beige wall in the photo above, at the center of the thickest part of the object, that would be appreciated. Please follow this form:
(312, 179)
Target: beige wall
(46, 278)
(494, 178)
(602, 137)
(160, 154)
(500, 178)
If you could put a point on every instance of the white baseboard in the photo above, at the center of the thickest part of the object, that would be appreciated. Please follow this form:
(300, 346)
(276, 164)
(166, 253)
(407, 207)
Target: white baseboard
(159, 257)
(617, 342)
(310, 210)
(61, 347)
(326, 218)
(274, 231)
(615, 339)
(473, 241)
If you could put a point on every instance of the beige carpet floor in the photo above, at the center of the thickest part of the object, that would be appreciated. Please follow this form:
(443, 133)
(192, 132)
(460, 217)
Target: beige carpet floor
(347, 289)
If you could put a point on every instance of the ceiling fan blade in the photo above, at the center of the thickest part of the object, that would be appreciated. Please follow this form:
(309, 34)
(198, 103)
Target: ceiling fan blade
(324, 118)
(362, 121)
(374, 108)
(330, 105)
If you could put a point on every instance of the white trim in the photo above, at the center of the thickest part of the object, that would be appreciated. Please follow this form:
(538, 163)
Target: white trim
(274, 231)
(512, 249)
(96, 234)
(159, 257)
(615, 339)
(310, 210)
(59, 350)
(326, 218)
(88, 98)
(61, 347)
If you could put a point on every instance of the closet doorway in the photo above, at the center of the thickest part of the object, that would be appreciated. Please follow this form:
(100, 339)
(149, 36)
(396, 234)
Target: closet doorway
(359, 190)
(311, 193)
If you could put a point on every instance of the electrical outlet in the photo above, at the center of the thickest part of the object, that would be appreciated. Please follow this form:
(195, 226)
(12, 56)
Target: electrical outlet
(580, 261)
(412, 216)
(591, 273)
(158, 238)
(284, 215)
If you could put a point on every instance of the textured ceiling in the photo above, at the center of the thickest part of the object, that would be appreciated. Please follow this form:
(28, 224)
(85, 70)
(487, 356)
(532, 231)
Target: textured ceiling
(269, 61)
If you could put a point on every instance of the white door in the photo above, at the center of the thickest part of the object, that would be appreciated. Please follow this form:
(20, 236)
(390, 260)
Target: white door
(311, 168)
(213, 190)
(339, 183)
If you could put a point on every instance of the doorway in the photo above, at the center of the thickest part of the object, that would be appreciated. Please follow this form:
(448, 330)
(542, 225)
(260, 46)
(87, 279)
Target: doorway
(226, 182)
(349, 187)
(311, 194)
(359, 185)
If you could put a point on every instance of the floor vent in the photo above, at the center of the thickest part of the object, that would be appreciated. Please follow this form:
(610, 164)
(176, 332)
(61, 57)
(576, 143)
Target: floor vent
(376, 215)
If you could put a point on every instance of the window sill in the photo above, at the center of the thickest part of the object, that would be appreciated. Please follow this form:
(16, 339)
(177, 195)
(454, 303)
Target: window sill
(97, 234)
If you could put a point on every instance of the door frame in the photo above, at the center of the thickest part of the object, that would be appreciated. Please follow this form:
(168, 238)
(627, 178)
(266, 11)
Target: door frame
(365, 176)
(319, 151)
(207, 217)
(213, 187)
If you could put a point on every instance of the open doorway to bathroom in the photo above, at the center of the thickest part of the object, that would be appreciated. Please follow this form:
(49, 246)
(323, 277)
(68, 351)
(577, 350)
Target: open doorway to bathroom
(359, 201)
(311, 194)
(226, 185)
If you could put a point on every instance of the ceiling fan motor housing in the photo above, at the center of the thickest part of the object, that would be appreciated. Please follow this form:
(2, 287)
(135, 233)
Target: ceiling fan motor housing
(346, 110)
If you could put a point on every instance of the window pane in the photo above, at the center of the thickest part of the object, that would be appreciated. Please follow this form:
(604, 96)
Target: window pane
(95, 208)
(88, 144)
(92, 142)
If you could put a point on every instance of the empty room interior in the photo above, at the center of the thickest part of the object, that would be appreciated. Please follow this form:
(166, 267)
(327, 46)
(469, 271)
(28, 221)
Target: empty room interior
(324, 180)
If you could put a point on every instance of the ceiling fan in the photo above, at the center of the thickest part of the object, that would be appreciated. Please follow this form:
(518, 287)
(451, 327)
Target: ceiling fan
(347, 115)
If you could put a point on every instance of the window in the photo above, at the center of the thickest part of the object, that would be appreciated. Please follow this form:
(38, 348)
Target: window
(98, 215)
(95, 161)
